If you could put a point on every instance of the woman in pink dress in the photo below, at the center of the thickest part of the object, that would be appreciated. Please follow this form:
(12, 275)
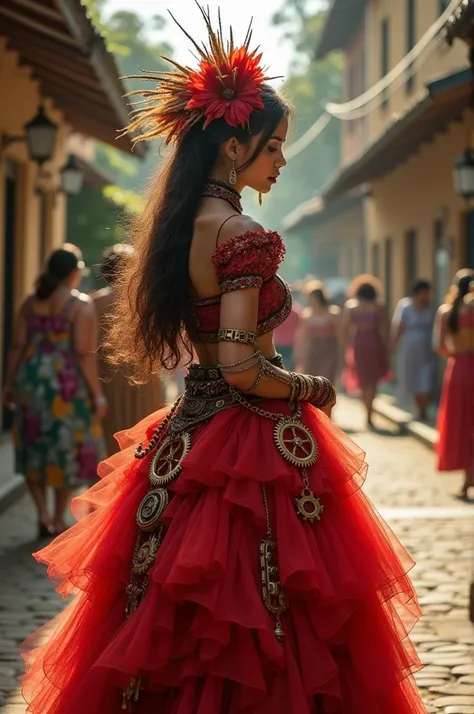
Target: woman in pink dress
(318, 334)
(366, 339)
(454, 338)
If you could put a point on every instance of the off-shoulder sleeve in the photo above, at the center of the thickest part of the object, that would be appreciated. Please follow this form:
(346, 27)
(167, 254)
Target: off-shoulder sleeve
(246, 261)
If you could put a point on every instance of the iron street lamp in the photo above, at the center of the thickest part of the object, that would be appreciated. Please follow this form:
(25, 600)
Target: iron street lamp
(463, 174)
(72, 177)
(40, 136)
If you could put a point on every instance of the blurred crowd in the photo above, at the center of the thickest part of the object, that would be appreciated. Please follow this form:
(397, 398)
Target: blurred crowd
(352, 340)
(68, 404)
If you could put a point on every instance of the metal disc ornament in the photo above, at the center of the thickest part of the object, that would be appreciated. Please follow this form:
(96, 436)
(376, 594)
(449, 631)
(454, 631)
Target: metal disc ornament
(166, 463)
(151, 509)
(145, 556)
(295, 442)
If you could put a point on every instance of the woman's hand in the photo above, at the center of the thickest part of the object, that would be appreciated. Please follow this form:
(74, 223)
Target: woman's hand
(100, 406)
(329, 407)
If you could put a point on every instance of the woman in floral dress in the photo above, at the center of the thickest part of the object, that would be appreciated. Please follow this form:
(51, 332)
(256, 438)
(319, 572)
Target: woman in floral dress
(53, 386)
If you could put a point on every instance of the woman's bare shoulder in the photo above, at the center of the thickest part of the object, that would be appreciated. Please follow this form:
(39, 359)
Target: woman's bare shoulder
(444, 309)
(335, 310)
(238, 225)
(83, 305)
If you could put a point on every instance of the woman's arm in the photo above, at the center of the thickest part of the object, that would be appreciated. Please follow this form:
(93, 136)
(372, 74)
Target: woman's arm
(398, 324)
(384, 325)
(86, 340)
(242, 364)
(441, 332)
(15, 352)
(300, 348)
(345, 331)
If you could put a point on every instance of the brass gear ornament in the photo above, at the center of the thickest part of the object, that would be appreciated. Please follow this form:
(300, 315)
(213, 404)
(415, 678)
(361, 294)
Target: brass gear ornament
(151, 509)
(295, 442)
(166, 463)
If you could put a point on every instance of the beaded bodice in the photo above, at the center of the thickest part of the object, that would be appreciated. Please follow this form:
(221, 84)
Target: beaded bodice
(247, 261)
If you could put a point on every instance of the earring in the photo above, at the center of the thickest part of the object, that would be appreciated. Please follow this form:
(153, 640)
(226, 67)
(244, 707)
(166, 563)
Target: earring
(233, 174)
(260, 201)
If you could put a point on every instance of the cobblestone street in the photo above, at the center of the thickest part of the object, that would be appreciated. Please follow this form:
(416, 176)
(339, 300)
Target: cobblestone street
(437, 530)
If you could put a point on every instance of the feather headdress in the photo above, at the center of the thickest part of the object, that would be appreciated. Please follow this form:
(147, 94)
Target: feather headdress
(226, 84)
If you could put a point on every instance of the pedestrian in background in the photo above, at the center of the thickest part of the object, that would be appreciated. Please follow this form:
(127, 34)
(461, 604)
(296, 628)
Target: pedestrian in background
(317, 340)
(285, 336)
(365, 330)
(52, 383)
(454, 338)
(128, 403)
(412, 332)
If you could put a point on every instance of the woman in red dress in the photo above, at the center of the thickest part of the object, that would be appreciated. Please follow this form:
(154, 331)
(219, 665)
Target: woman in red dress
(454, 337)
(230, 564)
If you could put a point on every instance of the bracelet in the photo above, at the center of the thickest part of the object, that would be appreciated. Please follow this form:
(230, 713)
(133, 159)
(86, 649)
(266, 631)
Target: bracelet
(323, 392)
(100, 400)
(233, 335)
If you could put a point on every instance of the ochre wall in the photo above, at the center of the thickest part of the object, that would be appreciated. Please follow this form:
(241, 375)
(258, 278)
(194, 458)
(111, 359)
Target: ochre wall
(413, 197)
(343, 233)
(354, 133)
(442, 61)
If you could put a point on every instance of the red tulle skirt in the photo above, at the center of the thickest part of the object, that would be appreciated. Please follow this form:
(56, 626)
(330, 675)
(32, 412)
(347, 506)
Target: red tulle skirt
(456, 415)
(202, 640)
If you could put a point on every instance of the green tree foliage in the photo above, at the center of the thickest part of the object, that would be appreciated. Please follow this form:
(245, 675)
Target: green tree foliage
(309, 86)
(97, 217)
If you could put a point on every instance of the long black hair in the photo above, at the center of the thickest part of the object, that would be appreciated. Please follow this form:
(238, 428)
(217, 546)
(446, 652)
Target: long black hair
(153, 324)
(60, 265)
(462, 285)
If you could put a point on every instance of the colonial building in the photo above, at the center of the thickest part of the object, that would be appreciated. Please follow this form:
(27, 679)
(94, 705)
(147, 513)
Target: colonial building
(404, 148)
(56, 77)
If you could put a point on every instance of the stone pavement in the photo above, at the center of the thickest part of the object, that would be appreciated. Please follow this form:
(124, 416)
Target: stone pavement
(418, 502)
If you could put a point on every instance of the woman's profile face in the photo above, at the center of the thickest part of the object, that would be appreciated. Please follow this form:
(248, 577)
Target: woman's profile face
(263, 173)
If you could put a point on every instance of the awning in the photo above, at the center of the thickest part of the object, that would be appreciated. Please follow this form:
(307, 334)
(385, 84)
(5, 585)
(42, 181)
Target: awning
(317, 211)
(343, 20)
(68, 57)
(443, 101)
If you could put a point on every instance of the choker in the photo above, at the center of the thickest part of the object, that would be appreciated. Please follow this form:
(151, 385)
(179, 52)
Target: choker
(218, 189)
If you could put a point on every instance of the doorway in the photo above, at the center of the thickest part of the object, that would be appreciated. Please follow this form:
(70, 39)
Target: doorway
(469, 241)
(8, 297)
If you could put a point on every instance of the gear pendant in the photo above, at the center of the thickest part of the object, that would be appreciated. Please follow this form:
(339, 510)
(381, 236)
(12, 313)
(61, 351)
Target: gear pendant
(145, 556)
(308, 507)
(166, 463)
(151, 509)
(295, 442)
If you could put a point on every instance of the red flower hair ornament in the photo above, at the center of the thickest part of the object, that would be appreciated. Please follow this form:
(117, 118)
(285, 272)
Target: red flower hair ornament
(226, 86)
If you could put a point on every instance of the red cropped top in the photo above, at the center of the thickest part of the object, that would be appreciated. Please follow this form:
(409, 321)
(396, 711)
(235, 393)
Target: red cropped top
(250, 260)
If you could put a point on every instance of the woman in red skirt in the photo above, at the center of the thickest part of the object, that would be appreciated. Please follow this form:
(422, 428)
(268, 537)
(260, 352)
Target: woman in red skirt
(454, 337)
(230, 564)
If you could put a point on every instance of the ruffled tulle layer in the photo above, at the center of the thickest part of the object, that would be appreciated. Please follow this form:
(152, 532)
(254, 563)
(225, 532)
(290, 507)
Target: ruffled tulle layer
(202, 639)
(456, 415)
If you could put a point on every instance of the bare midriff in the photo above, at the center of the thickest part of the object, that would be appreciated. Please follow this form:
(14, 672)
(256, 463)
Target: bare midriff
(207, 353)
(463, 341)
